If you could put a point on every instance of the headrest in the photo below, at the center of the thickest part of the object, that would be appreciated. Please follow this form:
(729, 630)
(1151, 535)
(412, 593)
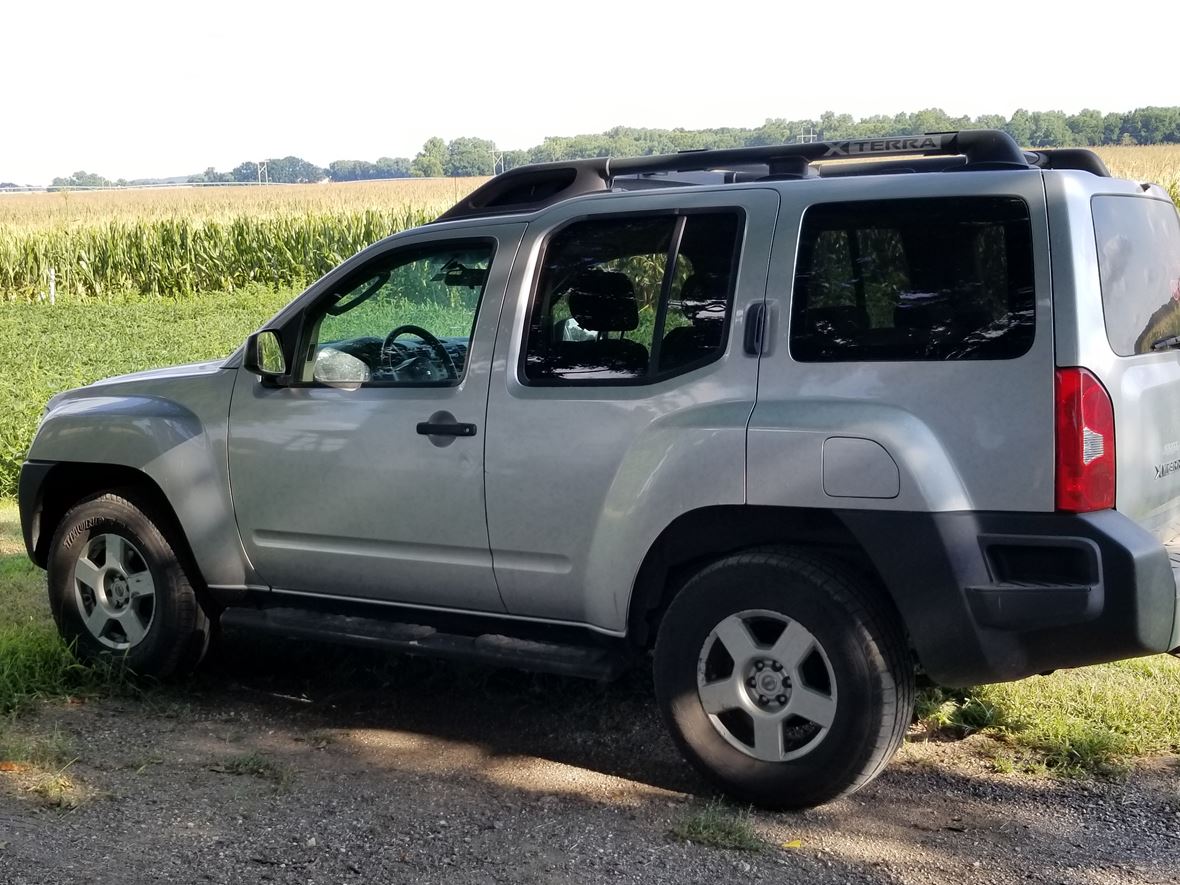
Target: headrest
(703, 298)
(603, 301)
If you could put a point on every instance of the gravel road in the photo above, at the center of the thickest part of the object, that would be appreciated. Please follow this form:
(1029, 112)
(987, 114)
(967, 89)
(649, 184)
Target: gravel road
(322, 766)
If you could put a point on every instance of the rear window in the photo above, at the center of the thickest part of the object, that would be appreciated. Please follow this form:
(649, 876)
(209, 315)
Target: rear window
(923, 279)
(1139, 266)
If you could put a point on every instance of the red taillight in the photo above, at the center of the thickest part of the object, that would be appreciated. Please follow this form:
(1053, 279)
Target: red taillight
(1085, 443)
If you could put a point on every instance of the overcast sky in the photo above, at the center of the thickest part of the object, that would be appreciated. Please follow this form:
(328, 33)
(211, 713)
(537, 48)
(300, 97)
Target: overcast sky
(130, 89)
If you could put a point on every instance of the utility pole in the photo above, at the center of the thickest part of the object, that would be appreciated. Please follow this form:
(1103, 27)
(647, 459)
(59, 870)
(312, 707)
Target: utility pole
(497, 161)
(807, 137)
(263, 175)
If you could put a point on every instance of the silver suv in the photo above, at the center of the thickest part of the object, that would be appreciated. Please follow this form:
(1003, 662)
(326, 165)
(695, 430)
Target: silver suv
(803, 430)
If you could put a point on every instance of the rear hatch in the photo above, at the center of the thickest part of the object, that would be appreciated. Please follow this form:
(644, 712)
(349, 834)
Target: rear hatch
(1138, 240)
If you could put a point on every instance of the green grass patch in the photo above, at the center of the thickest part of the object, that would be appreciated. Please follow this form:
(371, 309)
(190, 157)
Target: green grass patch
(49, 348)
(256, 765)
(34, 662)
(717, 825)
(21, 747)
(1093, 720)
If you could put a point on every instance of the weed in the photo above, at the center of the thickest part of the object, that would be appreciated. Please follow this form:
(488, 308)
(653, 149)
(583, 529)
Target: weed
(21, 748)
(255, 765)
(719, 826)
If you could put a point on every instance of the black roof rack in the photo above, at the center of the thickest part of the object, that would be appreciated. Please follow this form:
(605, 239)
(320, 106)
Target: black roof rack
(528, 188)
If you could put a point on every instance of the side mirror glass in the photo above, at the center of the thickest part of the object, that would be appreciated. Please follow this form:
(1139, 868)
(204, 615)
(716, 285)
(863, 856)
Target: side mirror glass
(264, 355)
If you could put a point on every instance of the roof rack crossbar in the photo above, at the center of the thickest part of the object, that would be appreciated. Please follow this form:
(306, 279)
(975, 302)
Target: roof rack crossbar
(528, 188)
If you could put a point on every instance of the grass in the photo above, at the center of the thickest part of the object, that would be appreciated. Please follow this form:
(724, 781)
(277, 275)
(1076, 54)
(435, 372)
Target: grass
(34, 662)
(1094, 720)
(718, 825)
(39, 763)
(76, 344)
(21, 748)
(256, 765)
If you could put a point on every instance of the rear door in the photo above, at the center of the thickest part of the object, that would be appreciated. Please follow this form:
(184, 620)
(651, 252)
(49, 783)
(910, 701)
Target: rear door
(622, 389)
(1137, 242)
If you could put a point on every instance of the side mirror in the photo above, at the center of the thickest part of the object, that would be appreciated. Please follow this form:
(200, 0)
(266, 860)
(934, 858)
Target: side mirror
(264, 356)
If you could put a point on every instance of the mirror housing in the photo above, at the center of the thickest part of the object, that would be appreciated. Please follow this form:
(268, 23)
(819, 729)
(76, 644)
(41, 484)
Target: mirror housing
(264, 357)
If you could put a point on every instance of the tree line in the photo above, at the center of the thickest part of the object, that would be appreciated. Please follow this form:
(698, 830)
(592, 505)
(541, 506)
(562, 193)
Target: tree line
(478, 156)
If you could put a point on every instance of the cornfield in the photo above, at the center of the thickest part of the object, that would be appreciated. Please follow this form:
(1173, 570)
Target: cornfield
(182, 242)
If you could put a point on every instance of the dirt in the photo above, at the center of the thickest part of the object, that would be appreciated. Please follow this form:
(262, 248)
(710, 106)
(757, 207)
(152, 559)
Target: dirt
(322, 766)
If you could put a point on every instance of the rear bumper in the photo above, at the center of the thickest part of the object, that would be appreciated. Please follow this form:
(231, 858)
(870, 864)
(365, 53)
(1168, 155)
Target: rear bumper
(991, 597)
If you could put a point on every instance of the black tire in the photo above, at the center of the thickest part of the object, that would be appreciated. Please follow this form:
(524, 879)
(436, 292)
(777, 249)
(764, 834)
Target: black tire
(869, 664)
(179, 631)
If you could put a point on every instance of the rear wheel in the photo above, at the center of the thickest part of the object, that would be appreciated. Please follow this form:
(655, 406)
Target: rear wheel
(783, 678)
(118, 590)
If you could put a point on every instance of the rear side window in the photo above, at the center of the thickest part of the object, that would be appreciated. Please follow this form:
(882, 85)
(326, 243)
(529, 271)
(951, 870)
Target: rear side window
(925, 279)
(632, 299)
(1139, 266)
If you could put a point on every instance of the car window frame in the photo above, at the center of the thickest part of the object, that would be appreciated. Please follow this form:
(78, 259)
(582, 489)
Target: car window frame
(742, 216)
(854, 359)
(307, 328)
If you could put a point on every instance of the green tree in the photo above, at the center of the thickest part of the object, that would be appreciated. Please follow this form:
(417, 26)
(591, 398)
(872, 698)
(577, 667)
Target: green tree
(1049, 129)
(82, 179)
(469, 156)
(1086, 127)
(247, 171)
(293, 170)
(393, 167)
(431, 160)
(1020, 127)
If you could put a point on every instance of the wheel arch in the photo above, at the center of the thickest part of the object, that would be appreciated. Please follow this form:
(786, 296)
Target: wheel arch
(698, 537)
(67, 483)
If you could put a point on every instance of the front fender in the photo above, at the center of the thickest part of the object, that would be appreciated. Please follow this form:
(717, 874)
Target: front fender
(177, 438)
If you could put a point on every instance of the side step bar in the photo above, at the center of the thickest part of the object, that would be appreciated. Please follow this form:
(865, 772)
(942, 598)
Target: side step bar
(587, 661)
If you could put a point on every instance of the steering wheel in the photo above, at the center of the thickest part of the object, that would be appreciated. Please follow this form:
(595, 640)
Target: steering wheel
(391, 350)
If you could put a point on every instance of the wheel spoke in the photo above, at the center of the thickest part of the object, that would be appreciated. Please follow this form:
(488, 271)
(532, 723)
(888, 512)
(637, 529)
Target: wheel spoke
(768, 736)
(793, 646)
(89, 574)
(140, 585)
(717, 697)
(734, 635)
(811, 705)
(133, 628)
(96, 621)
(116, 553)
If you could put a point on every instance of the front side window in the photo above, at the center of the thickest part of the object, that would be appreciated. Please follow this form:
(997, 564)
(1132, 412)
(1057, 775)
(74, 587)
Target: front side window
(632, 299)
(404, 319)
(1139, 266)
(921, 279)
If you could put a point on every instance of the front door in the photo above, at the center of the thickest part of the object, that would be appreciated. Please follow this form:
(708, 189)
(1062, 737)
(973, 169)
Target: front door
(362, 475)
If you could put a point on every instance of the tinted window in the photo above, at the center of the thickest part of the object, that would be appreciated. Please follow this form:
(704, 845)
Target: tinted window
(1139, 265)
(933, 279)
(629, 299)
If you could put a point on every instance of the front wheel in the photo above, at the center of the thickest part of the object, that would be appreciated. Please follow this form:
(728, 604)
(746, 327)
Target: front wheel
(783, 678)
(118, 590)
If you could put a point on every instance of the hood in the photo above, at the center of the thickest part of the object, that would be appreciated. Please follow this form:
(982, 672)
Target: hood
(184, 371)
(134, 379)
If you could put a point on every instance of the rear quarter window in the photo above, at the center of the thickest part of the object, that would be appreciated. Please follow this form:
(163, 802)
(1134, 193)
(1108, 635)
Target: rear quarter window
(1138, 242)
(919, 279)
